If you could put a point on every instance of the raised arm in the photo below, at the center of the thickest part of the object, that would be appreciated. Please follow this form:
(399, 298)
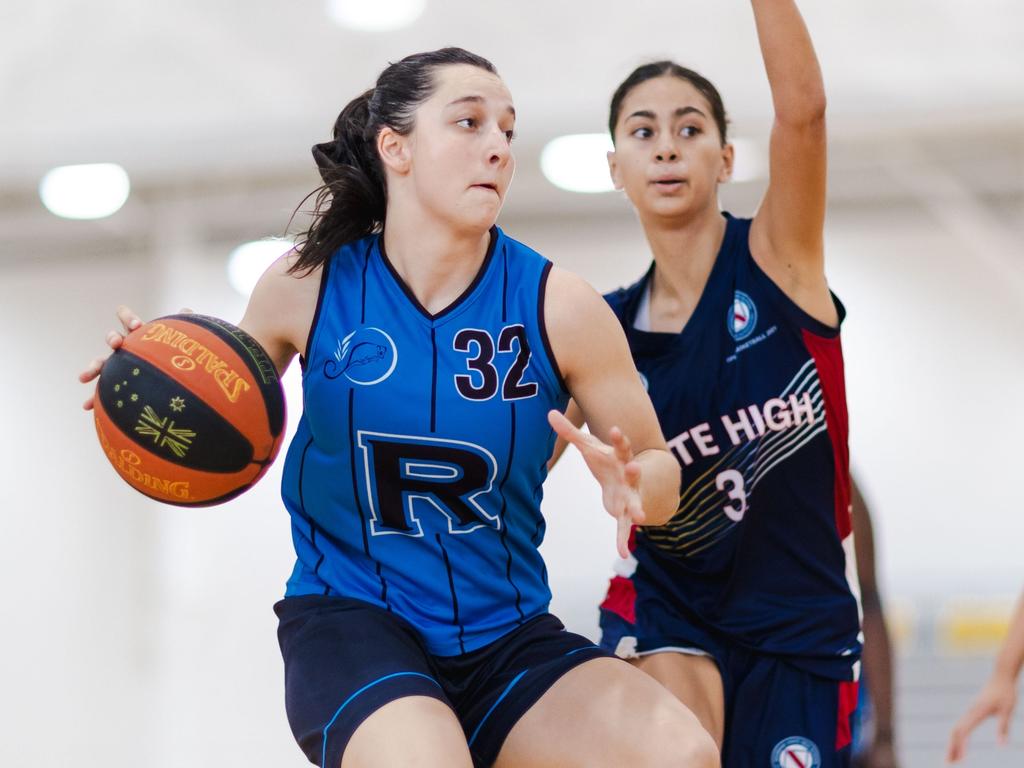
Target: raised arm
(787, 234)
(625, 449)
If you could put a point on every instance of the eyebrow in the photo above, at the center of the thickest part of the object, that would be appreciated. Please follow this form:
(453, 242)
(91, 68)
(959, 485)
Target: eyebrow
(476, 100)
(681, 112)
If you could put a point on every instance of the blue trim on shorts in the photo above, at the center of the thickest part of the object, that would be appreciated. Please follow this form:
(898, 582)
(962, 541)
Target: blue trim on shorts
(494, 706)
(509, 687)
(585, 648)
(323, 760)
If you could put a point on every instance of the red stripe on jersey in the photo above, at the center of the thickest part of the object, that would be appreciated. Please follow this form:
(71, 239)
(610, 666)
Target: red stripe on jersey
(621, 598)
(847, 706)
(828, 359)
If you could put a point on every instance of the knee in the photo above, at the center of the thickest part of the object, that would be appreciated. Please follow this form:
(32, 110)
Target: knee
(699, 751)
(678, 740)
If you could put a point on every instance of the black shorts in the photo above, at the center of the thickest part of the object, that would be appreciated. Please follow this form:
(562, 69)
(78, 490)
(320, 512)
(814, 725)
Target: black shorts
(344, 659)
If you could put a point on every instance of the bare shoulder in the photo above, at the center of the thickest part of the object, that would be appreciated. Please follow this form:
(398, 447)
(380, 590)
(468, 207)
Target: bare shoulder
(572, 306)
(281, 309)
(580, 324)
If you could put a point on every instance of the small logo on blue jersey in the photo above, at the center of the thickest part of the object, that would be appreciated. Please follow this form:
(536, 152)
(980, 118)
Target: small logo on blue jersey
(742, 317)
(366, 356)
(796, 752)
(644, 381)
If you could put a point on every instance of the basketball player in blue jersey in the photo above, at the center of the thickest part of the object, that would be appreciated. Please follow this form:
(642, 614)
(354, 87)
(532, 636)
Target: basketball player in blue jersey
(437, 356)
(743, 604)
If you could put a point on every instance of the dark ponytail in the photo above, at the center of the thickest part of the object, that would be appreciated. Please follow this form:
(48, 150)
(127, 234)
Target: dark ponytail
(352, 202)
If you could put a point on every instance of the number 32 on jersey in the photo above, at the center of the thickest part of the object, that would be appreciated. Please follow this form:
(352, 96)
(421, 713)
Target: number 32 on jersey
(482, 379)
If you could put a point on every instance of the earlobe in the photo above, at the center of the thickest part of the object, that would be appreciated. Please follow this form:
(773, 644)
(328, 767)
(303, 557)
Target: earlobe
(393, 149)
(613, 169)
(728, 160)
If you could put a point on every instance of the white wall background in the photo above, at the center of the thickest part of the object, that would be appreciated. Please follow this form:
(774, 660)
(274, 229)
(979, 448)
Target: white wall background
(142, 635)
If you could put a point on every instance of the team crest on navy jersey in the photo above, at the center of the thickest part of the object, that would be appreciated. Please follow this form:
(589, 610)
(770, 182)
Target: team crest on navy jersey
(366, 356)
(742, 317)
(796, 752)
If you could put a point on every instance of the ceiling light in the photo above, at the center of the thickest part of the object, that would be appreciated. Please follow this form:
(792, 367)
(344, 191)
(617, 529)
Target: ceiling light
(578, 162)
(92, 191)
(375, 16)
(249, 261)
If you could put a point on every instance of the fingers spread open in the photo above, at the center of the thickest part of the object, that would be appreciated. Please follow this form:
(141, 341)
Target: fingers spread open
(564, 428)
(92, 370)
(623, 526)
(128, 318)
(623, 447)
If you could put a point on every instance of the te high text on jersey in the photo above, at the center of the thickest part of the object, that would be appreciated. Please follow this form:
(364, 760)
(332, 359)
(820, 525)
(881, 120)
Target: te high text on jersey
(750, 423)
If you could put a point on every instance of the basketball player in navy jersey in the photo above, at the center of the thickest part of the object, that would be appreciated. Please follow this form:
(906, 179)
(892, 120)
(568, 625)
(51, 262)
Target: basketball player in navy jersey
(742, 604)
(435, 350)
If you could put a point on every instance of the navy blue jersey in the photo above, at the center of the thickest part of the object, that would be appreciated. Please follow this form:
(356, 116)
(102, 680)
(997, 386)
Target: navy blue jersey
(751, 399)
(414, 480)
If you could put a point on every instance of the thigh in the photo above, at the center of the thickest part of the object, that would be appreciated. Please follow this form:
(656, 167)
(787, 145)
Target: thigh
(607, 713)
(413, 730)
(493, 687)
(344, 660)
(784, 717)
(695, 680)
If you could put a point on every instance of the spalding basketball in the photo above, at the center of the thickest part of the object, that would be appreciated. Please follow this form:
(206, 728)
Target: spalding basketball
(190, 410)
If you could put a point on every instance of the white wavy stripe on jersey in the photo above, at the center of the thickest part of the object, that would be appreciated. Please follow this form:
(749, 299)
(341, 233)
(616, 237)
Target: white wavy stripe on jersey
(766, 459)
(683, 501)
(761, 472)
(757, 451)
(753, 466)
(800, 437)
(695, 492)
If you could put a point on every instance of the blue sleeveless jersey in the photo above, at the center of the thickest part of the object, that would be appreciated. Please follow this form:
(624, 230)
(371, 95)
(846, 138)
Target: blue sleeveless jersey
(414, 479)
(751, 399)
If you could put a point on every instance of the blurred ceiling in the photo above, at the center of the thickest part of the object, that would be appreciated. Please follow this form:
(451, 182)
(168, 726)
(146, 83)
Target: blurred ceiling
(218, 102)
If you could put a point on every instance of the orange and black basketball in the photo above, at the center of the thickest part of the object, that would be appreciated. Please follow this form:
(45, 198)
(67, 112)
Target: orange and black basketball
(190, 410)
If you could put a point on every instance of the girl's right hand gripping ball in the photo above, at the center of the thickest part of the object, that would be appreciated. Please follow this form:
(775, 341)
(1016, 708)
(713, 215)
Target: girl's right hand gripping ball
(190, 410)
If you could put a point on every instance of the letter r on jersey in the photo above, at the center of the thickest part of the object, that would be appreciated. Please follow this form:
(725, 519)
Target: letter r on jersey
(406, 475)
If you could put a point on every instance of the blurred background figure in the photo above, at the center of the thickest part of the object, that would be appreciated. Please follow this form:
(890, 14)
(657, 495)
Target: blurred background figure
(998, 699)
(874, 740)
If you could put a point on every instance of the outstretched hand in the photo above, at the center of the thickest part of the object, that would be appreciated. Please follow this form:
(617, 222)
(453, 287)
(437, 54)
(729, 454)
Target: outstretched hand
(997, 699)
(615, 468)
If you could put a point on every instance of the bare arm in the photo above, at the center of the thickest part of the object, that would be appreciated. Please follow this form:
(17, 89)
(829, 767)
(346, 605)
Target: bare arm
(278, 315)
(280, 311)
(999, 696)
(594, 357)
(877, 646)
(787, 236)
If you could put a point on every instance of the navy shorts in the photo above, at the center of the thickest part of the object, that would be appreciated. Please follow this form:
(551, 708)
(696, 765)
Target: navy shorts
(344, 659)
(777, 715)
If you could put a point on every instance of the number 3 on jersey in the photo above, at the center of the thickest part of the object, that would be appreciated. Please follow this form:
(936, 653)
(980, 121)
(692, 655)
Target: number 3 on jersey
(481, 383)
(731, 481)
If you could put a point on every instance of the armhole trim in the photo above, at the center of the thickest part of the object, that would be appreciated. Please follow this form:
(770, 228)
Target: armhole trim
(324, 278)
(542, 325)
(797, 314)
